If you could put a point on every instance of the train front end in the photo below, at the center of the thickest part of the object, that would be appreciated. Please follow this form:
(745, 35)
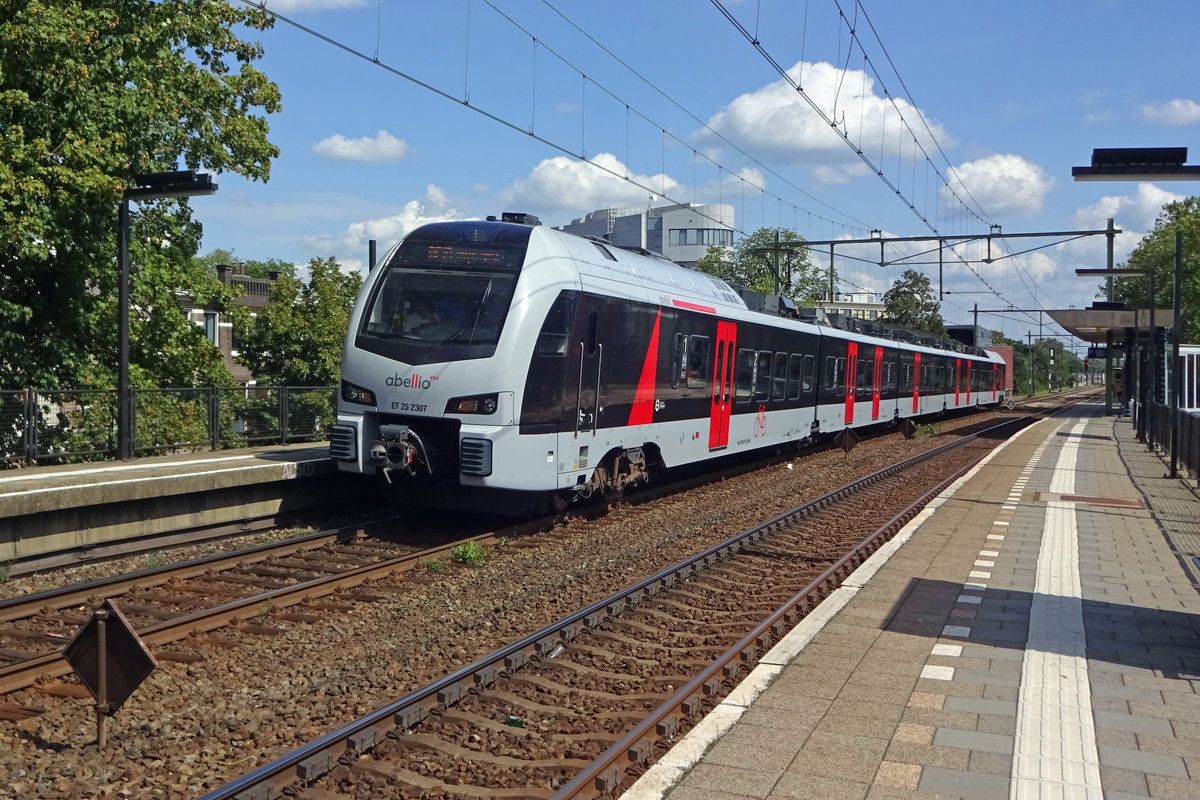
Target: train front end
(433, 367)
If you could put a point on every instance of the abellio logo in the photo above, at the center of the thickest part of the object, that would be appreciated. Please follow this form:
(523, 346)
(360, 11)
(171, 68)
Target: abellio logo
(413, 381)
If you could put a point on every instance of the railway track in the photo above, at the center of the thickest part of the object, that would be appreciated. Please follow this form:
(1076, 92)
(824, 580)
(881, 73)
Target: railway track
(582, 707)
(301, 578)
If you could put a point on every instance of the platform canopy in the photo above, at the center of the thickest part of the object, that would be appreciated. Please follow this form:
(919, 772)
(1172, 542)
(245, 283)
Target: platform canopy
(1092, 324)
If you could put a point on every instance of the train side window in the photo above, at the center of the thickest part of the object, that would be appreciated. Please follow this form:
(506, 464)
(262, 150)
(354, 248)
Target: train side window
(810, 374)
(677, 359)
(835, 368)
(744, 376)
(906, 371)
(863, 378)
(697, 362)
(779, 383)
(556, 330)
(762, 376)
(794, 370)
(593, 331)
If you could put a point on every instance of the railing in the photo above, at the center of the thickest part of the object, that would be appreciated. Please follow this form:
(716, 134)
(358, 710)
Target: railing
(70, 425)
(1155, 424)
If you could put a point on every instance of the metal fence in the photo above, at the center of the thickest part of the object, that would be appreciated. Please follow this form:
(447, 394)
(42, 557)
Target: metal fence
(1155, 427)
(70, 425)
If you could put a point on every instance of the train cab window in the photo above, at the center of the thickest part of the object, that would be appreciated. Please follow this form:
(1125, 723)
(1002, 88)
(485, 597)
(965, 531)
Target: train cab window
(556, 329)
(809, 375)
(779, 381)
(762, 376)
(744, 376)
(698, 359)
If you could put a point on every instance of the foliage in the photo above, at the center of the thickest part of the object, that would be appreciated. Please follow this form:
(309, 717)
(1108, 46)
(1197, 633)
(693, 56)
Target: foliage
(925, 431)
(155, 559)
(751, 263)
(435, 565)
(1034, 355)
(297, 338)
(910, 303)
(251, 267)
(472, 554)
(1156, 252)
(91, 95)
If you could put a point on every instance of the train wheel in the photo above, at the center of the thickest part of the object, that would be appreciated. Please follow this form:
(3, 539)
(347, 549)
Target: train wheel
(558, 502)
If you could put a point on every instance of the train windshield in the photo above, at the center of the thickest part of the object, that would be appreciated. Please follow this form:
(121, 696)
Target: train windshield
(441, 301)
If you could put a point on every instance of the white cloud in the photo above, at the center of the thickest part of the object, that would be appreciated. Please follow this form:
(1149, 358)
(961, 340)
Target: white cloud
(842, 174)
(561, 187)
(1173, 112)
(312, 5)
(776, 121)
(380, 148)
(351, 243)
(1135, 212)
(1001, 184)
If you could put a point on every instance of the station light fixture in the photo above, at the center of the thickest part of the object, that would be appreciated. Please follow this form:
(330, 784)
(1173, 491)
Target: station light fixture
(148, 186)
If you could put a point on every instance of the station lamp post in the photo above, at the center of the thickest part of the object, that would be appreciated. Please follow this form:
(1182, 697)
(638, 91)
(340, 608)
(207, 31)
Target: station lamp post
(150, 186)
(1150, 164)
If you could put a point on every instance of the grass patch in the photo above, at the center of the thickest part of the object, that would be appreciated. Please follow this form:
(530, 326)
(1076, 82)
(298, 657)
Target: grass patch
(155, 559)
(472, 554)
(435, 565)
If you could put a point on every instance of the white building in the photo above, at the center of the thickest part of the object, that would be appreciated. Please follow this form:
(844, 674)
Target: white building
(681, 233)
(861, 305)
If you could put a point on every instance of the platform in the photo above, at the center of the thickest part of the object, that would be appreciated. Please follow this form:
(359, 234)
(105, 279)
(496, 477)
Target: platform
(45, 510)
(1034, 633)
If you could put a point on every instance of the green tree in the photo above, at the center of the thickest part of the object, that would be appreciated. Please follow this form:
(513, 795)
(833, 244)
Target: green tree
(91, 95)
(910, 303)
(251, 267)
(1156, 252)
(752, 263)
(297, 338)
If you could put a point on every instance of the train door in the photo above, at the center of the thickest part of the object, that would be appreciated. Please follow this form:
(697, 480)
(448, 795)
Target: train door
(722, 386)
(916, 383)
(588, 402)
(957, 381)
(876, 380)
(851, 381)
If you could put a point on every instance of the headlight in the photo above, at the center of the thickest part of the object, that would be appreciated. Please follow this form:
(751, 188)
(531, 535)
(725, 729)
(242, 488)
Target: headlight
(357, 394)
(476, 404)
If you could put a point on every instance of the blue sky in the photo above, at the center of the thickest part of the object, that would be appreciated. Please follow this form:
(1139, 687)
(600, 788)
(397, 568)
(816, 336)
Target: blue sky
(999, 100)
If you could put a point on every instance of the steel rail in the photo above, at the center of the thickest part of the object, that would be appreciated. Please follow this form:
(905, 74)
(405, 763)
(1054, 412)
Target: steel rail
(63, 597)
(345, 745)
(25, 673)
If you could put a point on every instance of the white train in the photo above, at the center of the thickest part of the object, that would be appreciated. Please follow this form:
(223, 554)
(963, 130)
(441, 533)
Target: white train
(508, 363)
